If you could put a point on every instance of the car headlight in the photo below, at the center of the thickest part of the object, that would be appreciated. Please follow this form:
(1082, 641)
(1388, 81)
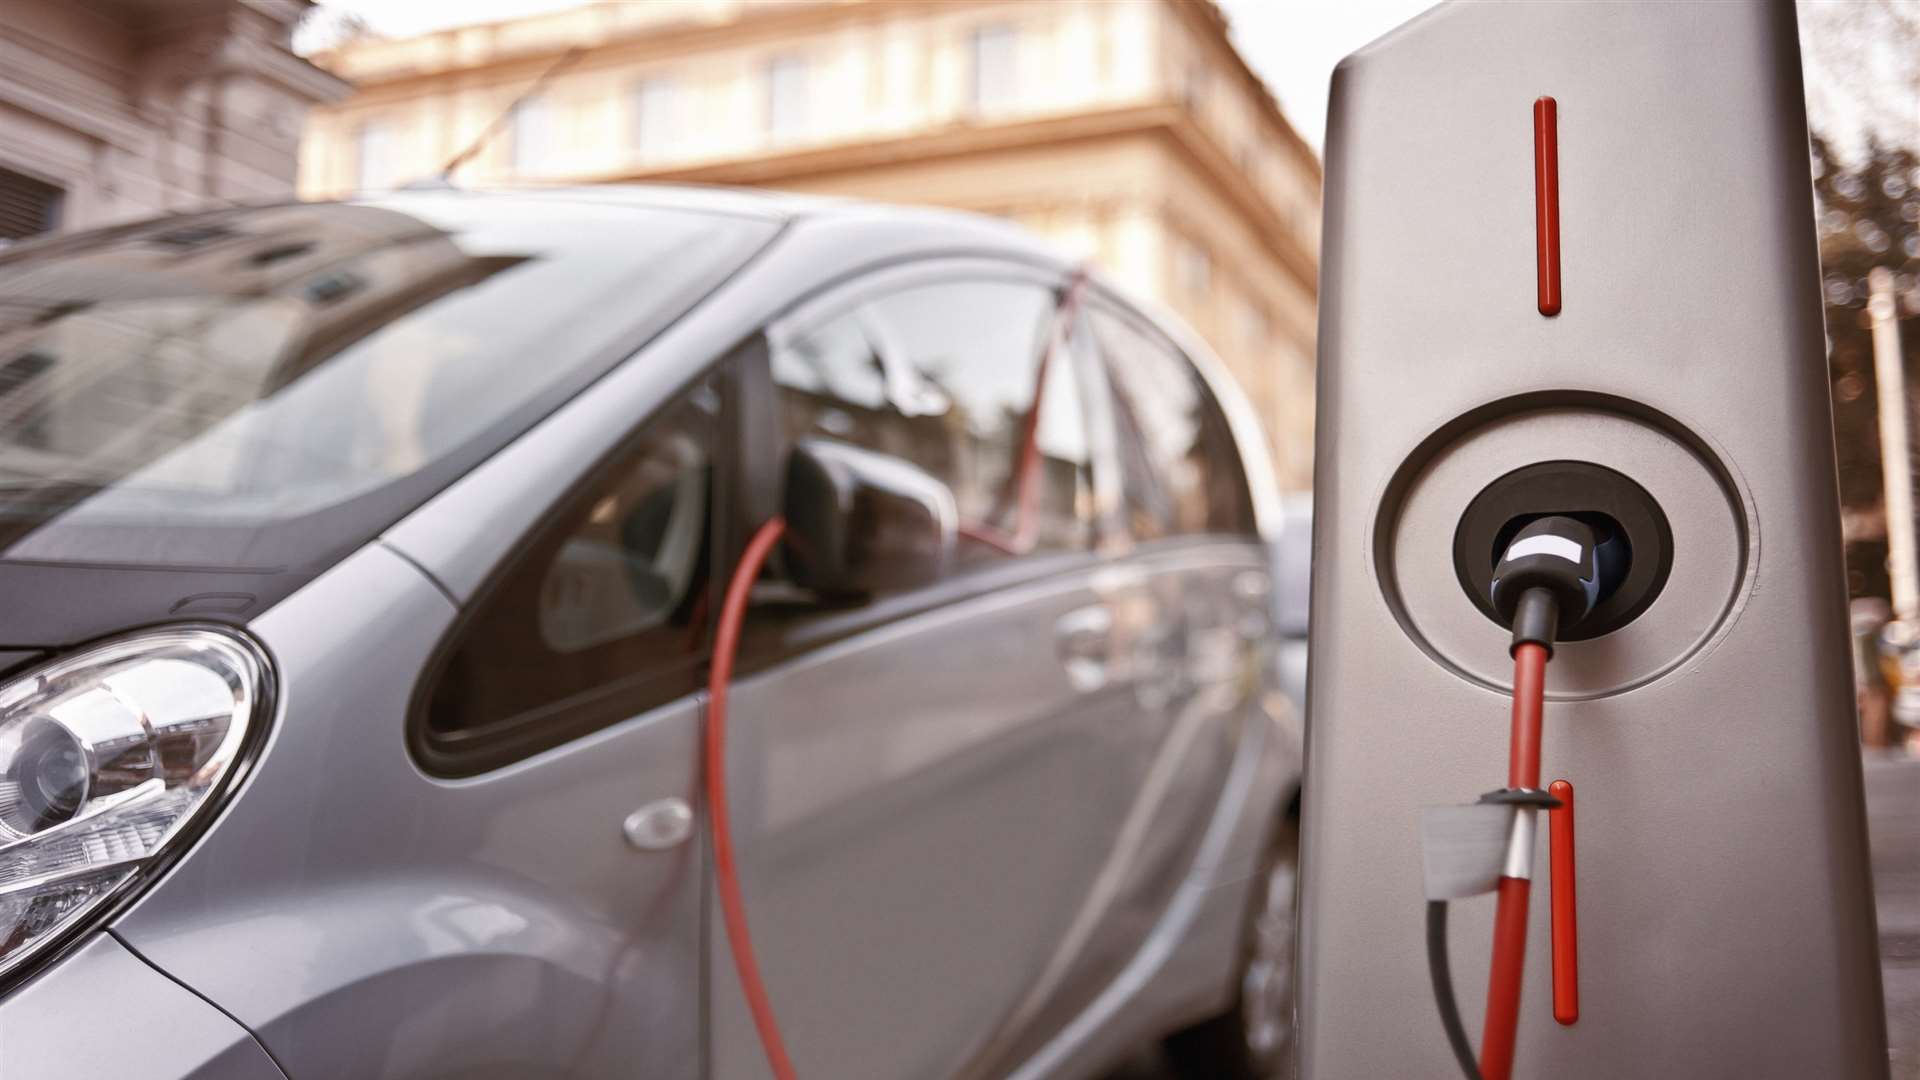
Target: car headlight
(106, 756)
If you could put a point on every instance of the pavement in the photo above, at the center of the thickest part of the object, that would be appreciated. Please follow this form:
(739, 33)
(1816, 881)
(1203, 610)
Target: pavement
(1893, 831)
(1893, 826)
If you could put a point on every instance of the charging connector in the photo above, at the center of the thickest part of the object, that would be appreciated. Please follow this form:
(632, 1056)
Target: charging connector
(1619, 523)
(1548, 579)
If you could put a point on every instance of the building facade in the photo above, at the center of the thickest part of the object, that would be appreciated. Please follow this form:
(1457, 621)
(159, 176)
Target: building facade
(1127, 131)
(119, 109)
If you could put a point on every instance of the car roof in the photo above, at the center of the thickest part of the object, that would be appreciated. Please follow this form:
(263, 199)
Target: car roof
(942, 227)
(933, 228)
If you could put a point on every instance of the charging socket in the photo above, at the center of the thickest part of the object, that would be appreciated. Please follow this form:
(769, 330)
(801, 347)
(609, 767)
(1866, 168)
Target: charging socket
(1635, 544)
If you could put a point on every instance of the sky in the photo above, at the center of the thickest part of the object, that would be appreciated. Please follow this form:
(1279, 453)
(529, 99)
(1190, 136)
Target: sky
(1292, 44)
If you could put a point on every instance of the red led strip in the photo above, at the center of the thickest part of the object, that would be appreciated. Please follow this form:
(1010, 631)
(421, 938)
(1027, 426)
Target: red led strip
(1546, 201)
(1564, 921)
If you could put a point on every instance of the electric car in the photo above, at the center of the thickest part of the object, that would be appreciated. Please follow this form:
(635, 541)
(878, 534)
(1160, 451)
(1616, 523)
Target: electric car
(361, 570)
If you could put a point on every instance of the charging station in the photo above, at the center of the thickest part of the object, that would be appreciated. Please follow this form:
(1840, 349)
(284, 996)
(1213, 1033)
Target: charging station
(1570, 278)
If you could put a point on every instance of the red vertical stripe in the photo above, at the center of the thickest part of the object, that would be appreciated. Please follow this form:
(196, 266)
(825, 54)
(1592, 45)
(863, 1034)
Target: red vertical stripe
(1566, 938)
(1546, 201)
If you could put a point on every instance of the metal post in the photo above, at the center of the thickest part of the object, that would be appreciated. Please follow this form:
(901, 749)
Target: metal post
(1433, 208)
(1896, 467)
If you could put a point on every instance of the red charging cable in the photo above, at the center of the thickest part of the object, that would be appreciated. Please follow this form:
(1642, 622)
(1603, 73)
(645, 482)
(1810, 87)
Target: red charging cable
(1549, 577)
(726, 645)
(1510, 914)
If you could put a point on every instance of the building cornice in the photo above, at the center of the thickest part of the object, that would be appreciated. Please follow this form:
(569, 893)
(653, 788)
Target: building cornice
(1206, 17)
(676, 37)
(34, 86)
(1213, 161)
(620, 44)
(281, 68)
(1170, 124)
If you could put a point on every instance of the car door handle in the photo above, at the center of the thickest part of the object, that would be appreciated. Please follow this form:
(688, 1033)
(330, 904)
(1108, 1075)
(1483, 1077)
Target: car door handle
(1084, 640)
(659, 825)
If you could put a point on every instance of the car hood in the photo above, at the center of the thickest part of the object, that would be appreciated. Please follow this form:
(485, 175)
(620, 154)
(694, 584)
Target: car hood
(48, 605)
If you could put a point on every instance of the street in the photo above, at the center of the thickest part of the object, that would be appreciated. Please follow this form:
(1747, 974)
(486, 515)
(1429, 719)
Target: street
(1893, 821)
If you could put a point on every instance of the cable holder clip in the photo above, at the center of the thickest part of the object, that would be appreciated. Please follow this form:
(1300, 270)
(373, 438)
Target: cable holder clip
(1527, 803)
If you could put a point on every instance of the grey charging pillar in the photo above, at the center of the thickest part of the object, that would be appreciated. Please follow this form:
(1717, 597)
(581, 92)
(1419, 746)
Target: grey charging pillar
(1725, 912)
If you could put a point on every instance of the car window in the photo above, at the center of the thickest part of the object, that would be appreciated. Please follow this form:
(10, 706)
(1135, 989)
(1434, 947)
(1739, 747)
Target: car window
(1180, 469)
(605, 611)
(954, 377)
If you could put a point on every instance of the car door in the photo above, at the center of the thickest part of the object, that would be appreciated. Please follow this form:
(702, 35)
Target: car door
(1190, 579)
(564, 704)
(927, 784)
(1190, 522)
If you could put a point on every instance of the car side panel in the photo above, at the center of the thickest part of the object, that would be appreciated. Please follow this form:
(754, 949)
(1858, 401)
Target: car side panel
(1192, 677)
(103, 1012)
(918, 812)
(368, 921)
(1183, 972)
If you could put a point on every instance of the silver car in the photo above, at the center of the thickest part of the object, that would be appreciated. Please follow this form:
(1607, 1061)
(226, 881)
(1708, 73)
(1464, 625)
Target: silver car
(360, 566)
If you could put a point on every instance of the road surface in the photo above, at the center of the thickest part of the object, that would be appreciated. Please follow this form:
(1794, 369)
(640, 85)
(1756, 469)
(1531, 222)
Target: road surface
(1893, 827)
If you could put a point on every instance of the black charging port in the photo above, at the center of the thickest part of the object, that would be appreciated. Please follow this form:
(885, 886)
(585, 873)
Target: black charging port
(1633, 550)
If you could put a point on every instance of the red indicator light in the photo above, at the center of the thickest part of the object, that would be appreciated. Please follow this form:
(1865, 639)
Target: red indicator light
(1546, 201)
(1566, 944)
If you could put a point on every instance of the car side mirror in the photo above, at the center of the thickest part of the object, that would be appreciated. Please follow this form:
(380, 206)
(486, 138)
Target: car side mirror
(861, 522)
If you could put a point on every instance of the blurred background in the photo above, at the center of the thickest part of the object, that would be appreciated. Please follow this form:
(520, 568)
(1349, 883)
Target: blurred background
(1174, 143)
(1135, 135)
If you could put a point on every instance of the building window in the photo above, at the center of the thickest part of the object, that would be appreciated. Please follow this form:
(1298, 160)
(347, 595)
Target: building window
(1248, 160)
(1255, 327)
(374, 147)
(1194, 84)
(996, 67)
(532, 135)
(190, 238)
(656, 117)
(787, 97)
(27, 207)
(1193, 268)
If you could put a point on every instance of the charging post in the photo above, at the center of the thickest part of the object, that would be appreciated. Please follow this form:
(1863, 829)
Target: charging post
(1570, 303)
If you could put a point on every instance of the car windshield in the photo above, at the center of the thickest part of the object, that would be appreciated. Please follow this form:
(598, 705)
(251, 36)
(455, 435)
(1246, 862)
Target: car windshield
(208, 390)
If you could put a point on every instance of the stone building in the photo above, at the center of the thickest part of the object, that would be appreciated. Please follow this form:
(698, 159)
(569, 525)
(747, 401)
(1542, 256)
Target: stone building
(119, 109)
(1128, 131)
